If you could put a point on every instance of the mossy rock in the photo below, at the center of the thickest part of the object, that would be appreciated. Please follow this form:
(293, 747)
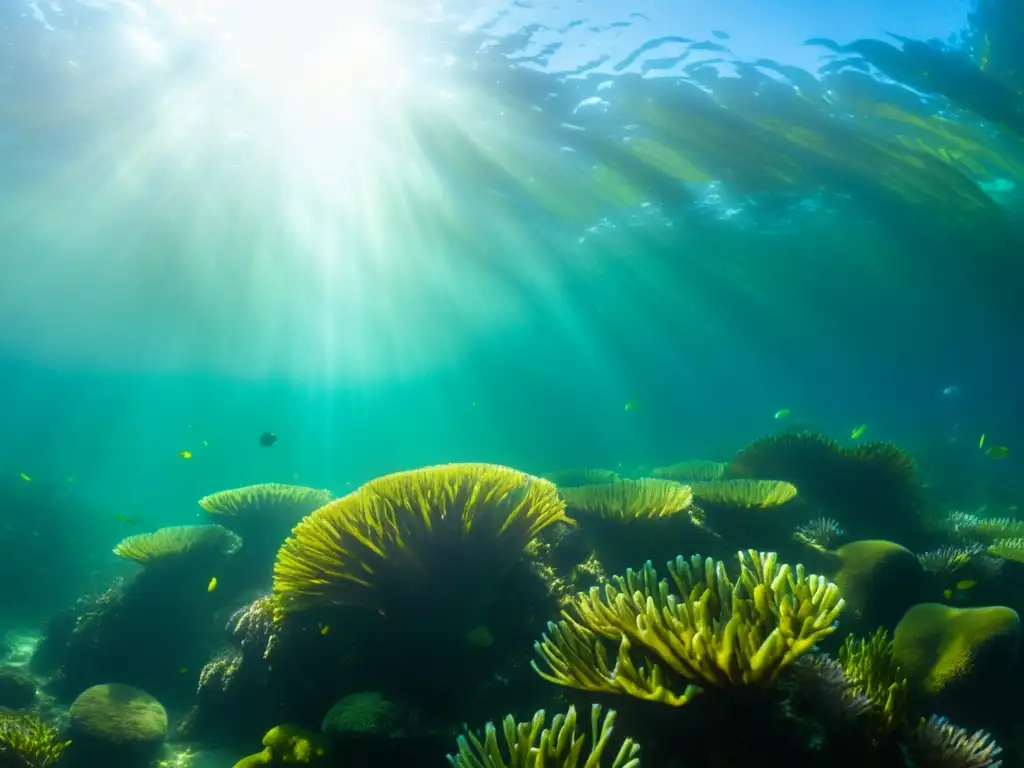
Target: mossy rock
(957, 657)
(17, 689)
(879, 580)
(366, 713)
(289, 745)
(116, 724)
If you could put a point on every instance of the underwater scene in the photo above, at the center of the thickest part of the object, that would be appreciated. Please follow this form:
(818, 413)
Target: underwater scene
(511, 383)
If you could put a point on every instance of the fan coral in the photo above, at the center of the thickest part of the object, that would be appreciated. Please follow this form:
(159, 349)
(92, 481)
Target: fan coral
(28, 742)
(573, 478)
(530, 745)
(266, 500)
(178, 541)
(744, 493)
(696, 471)
(627, 500)
(822, 534)
(939, 744)
(395, 529)
(869, 665)
(709, 631)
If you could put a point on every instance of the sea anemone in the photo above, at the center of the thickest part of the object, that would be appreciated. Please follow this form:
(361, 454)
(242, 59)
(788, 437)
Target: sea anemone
(937, 743)
(821, 533)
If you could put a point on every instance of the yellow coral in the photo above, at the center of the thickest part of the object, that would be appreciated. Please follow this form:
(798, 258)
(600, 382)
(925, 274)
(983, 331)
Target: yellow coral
(939, 645)
(177, 541)
(396, 528)
(744, 493)
(288, 745)
(702, 627)
(265, 500)
(531, 745)
(628, 500)
(695, 471)
(869, 665)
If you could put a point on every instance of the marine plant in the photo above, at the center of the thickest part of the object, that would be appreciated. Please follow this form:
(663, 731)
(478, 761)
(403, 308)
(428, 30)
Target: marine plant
(698, 629)
(532, 745)
(27, 742)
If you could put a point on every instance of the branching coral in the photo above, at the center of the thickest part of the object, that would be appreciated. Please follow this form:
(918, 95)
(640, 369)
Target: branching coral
(28, 742)
(266, 500)
(219, 672)
(695, 471)
(699, 627)
(937, 743)
(531, 745)
(822, 534)
(253, 626)
(178, 541)
(397, 532)
(869, 665)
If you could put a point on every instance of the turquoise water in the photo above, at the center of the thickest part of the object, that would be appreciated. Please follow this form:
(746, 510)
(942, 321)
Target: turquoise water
(584, 234)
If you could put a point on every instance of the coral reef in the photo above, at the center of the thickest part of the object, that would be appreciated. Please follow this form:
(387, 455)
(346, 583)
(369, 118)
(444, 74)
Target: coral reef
(115, 725)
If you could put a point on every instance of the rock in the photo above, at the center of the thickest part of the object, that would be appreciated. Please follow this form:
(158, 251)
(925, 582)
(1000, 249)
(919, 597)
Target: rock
(17, 689)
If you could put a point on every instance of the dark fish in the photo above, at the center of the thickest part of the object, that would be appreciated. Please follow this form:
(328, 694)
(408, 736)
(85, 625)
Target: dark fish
(267, 439)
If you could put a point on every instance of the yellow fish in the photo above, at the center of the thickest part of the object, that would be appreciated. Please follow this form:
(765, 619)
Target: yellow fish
(783, 413)
(632, 405)
(858, 431)
(324, 629)
(966, 583)
(212, 585)
(25, 477)
(186, 454)
(948, 594)
(998, 452)
(981, 442)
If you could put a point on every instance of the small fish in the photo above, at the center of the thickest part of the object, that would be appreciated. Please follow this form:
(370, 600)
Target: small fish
(998, 452)
(324, 629)
(966, 584)
(948, 594)
(783, 413)
(205, 444)
(183, 671)
(186, 454)
(126, 519)
(981, 441)
(212, 585)
(267, 439)
(951, 391)
(25, 477)
(631, 405)
(858, 431)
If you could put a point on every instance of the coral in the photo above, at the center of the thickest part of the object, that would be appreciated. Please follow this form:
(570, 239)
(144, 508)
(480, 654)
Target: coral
(872, 490)
(17, 689)
(744, 493)
(176, 542)
(974, 529)
(531, 745)
(219, 672)
(252, 625)
(939, 744)
(573, 478)
(821, 533)
(703, 628)
(28, 742)
(629, 500)
(398, 533)
(953, 566)
(869, 666)
(289, 745)
(879, 580)
(366, 712)
(265, 501)
(821, 681)
(950, 651)
(696, 471)
(115, 722)
(1008, 549)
